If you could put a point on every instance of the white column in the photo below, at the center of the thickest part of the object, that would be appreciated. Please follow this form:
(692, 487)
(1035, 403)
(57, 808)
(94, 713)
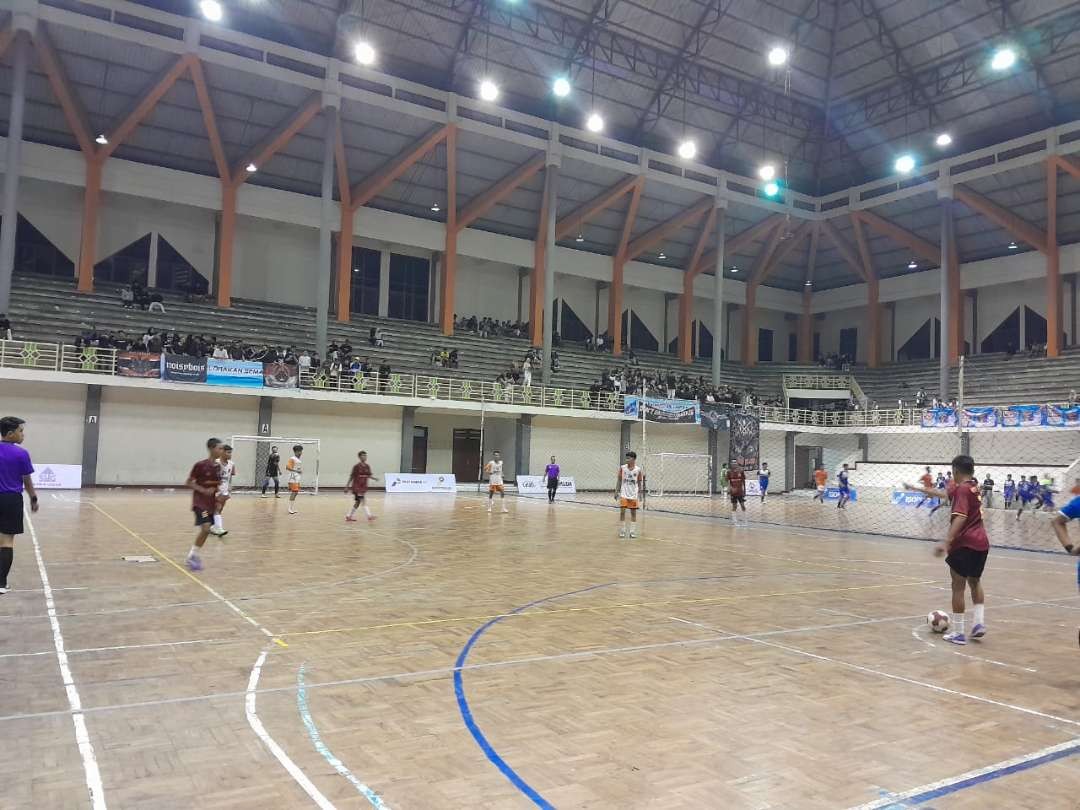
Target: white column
(947, 237)
(384, 283)
(20, 59)
(719, 326)
(151, 264)
(327, 217)
(551, 178)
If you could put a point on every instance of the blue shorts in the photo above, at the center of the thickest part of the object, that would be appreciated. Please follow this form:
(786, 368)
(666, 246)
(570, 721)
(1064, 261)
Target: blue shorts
(1071, 510)
(845, 490)
(763, 483)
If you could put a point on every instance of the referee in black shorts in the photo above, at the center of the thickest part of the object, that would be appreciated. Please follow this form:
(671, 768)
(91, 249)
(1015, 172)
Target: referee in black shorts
(15, 471)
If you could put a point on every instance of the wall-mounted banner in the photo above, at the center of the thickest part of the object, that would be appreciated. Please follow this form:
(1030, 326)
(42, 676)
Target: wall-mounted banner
(979, 417)
(138, 364)
(833, 494)
(744, 442)
(901, 497)
(715, 416)
(280, 375)
(1023, 416)
(1063, 415)
(57, 476)
(537, 485)
(939, 418)
(672, 411)
(244, 373)
(181, 368)
(420, 482)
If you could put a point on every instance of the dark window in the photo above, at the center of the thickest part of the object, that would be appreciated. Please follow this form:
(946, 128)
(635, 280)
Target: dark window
(705, 341)
(918, 346)
(1034, 327)
(364, 295)
(792, 347)
(639, 334)
(126, 265)
(764, 345)
(817, 345)
(409, 281)
(573, 328)
(34, 253)
(1006, 335)
(849, 342)
(176, 273)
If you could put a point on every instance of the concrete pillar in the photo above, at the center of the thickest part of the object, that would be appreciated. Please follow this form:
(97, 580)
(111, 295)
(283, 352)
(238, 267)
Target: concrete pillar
(719, 322)
(523, 273)
(151, 264)
(864, 446)
(551, 179)
(266, 417)
(327, 220)
(624, 438)
(596, 315)
(947, 237)
(20, 62)
(628, 334)
(714, 477)
(789, 460)
(965, 444)
(384, 282)
(408, 427)
(1074, 339)
(91, 433)
(974, 296)
(523, 443)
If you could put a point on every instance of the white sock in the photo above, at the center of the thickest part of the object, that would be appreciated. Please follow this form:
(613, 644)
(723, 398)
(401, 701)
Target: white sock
(367, 512)
(217, 522)
(352, 512)
(978, 618)
(193, 553)
(958, 623)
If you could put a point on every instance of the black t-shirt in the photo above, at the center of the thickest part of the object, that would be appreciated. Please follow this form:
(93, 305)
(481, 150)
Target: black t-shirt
(273, 465)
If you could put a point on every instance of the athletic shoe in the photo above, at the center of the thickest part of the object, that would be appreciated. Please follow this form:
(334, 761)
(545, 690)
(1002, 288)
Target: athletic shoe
(264, 495)
(955, 638)
(3, 590)
(505, 511)
(978, 631)
(293, 512)
(622, 532)
(371, 518)
(194, 564)
(214, 530)
(350, 519)
(633, 536)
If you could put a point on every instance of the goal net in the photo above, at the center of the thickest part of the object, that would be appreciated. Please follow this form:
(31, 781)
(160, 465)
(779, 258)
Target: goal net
(251, 453)
(679, 474)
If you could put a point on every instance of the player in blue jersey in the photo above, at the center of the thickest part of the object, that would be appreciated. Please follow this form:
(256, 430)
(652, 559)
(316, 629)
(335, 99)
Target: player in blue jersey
(763, 480)
(844, 487)
(1046, 493)
(1008, 491)
(1025, 490)
(1070, 511)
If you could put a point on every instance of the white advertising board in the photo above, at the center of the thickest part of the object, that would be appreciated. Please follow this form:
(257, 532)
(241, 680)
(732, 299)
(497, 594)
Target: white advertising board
(421, 482)
(537, 485)
(57, 476)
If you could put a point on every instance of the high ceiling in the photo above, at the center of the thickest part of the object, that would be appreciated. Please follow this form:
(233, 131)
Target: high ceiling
(865, 80)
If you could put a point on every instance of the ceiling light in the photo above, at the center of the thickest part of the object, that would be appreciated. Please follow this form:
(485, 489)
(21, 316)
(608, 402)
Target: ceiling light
(943, 140)
(687, 149)
(733, 269)
(211, 9)
(808, 283)
(661, 255)
(101, 139)
(561, 87)
(579, 238)
(364, 52)
(435, 208)
(356, 269)
(251, 168)
(904, 164)
(1013, 246)
(595, 122)
(1004, 58)
(777, 56)
(766, 172)
(913, 265)
(489, 91)
(771, 189)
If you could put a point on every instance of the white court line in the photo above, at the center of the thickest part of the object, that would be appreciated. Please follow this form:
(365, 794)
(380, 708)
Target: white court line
(898, 799)
(298, 775)
(881, 673)
(951, 649)
(78, 719)
(122, 647)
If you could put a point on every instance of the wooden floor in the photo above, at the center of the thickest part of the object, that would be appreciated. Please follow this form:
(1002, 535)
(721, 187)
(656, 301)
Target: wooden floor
(443, 657)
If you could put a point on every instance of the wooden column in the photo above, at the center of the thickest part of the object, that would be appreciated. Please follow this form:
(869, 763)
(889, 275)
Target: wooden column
(225, 246)
(91, 209)
(345, 264)
(449, 274)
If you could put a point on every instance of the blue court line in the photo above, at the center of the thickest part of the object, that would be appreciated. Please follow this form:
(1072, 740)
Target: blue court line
(316, 740)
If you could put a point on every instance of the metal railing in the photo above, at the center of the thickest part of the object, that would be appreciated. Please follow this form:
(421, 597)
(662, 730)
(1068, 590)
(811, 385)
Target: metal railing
(818, 382)
(891, 417)
(29, 354)
(88, 359)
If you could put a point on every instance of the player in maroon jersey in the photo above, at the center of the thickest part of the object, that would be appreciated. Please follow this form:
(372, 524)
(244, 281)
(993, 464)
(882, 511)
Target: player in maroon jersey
(965, 547)
(736, 477)
(357, 486)
(203, 481)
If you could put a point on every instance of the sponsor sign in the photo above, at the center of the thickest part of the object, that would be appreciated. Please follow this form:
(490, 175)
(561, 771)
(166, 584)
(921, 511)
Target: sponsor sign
(1023, 416)
(1063, 416)
(181, 368)
(902, 497)
(245, 373)
(138, 364)
(672, 411)
(537, 485)
(57, 476)
(420, 482)
(939, 418)
(715, 416)
(281, 375)
(979, 417)
(833, 494)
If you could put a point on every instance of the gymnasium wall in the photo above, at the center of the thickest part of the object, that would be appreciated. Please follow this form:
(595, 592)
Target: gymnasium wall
(54, 418)
(500, 433)
(772, 453)
(275, 261)
(489, 288)
(587, 450)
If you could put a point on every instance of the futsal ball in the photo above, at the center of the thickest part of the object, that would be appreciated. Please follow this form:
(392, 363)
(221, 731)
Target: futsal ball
(938, 621)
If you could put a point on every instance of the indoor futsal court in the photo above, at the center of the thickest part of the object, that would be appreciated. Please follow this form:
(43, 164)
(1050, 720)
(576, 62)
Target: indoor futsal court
(445, 657)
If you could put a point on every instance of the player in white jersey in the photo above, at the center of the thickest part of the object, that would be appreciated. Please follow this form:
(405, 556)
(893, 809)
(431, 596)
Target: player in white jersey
(494, 471)
(630, 492)
(228, 469)
(295, 468)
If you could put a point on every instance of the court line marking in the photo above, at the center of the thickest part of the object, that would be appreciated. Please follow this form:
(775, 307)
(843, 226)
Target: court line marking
(574, 655)
(194, 579)
(901, 678)
(316, 739)
(122, 647)
(82, 734)
(952, 649)
(954, 784)
(253, 720)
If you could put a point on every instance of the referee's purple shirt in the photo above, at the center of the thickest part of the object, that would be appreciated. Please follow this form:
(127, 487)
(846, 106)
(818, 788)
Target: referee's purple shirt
(14, 464)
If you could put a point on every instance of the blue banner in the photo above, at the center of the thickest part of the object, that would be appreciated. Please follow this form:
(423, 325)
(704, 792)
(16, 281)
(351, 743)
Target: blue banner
(939, 418)
(1063, 415)
(244, 373)
(979, 417)
(902, 497)
(833, 494)
(1023, 416)
(672, 411)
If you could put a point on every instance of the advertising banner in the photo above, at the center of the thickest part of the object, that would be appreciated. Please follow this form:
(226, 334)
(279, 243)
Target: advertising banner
(245, 373)
(57, 476)
(979, 417)
(281, 375)
(902, 497)
(715, 417)
(181, 368)
(671, 411)
(138, 364)
(1023, 416)
(1063, 415)
(537, 485)
(833, 494)
(744, 441)
(939, 418)
(421, 482)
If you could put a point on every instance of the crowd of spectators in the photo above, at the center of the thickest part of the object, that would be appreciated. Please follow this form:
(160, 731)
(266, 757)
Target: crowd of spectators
(837, 362)
(137, 295)
(5, 327)
(667, 384)
(489, 327)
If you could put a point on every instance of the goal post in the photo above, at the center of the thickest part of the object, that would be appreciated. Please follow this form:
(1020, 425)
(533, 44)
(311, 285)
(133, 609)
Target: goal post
(250, 454)
(687, 475)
